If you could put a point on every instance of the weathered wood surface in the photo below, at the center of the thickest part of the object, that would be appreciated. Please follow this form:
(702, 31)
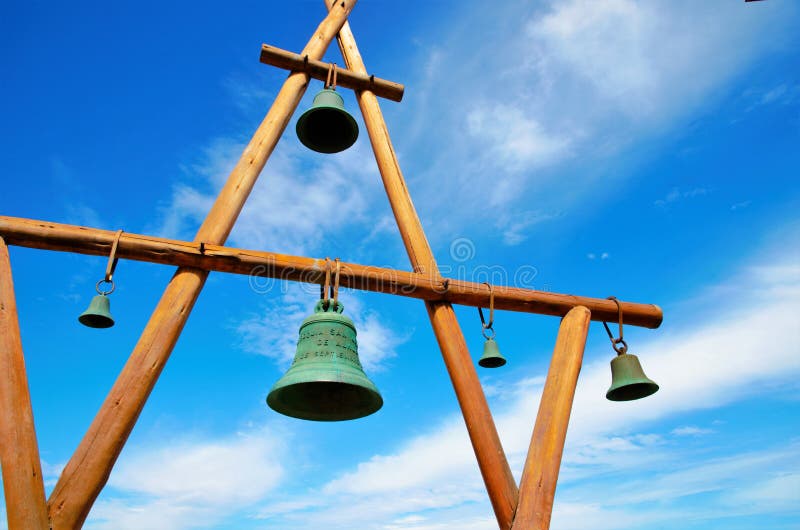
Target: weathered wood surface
(90, 466)
(319, 70)
(71, 238)
(540, 475)
(492, 461)
(26, 506)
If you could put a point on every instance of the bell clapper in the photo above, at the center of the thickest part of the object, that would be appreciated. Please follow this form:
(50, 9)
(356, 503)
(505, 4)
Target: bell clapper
(628, 380)
(491, 358)
(98, 314)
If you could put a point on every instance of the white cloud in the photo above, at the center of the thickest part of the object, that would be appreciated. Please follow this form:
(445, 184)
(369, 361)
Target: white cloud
(190, 483)
(691, 430)
(675, 195)
(564, 87)
(298, 201)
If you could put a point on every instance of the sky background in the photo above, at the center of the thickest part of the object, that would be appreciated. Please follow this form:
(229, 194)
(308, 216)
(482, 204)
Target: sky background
(648, 150)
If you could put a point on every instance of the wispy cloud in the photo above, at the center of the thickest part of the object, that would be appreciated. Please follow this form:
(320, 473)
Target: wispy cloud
(565, 86)
(191, 483)
(676, 194)
(298, 201)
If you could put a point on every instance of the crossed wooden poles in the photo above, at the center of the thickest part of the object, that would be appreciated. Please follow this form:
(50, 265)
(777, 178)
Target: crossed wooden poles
(88, 470)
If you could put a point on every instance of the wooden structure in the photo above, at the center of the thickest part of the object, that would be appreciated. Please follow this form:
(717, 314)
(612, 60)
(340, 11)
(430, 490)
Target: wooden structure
(88, 470)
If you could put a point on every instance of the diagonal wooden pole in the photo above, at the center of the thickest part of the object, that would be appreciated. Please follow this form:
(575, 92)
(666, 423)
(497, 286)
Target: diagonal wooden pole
(26, 507)
(540, 475)
(482, 432)
(90, 466)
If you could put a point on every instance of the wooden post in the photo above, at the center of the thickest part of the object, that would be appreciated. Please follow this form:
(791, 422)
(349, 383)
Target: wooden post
(70, 238)
(90, 466)
(482, 432)
(26, 507)
(538, 485)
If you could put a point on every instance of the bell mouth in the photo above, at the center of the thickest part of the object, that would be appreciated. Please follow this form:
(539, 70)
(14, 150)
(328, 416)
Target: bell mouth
(95, 321)
(632, 392)
(327, 129)
(325, 401)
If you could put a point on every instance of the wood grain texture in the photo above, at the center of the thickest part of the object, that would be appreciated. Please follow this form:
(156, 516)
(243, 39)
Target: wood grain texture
(319, 70)
(70, 238)
(90, 466)
(492, 461)
(540, 475)
(26, 506)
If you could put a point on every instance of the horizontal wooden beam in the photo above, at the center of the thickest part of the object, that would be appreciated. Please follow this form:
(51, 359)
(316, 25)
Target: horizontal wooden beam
(319, 70)
(70, 238)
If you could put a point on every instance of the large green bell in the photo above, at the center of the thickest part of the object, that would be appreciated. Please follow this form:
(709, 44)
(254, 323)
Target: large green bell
(491, 358)
(98, 315)
(628, 381)
(326, 381)
(326, 127)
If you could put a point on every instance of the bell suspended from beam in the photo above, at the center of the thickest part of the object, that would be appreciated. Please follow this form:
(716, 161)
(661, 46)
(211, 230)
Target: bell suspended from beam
(326, 381)
(98, 314)
(491, 358)
(326, 127)
(628, 381)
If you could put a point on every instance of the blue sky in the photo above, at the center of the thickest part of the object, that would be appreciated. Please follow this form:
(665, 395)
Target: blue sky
(647, 150)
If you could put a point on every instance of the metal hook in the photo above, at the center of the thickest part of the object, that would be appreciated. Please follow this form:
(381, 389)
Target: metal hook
(491, 313)
(614, 342)
(112, 258)
(331, 76)
(327, 283)
(336, 284)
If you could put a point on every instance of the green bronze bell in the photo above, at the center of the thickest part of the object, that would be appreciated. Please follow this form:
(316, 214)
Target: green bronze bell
(628, 381)
(325, 381)
(491, 358)
(98, 315)
(326, 127)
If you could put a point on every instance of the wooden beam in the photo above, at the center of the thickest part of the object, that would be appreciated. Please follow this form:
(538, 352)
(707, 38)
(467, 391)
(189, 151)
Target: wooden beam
(319, 70)
(26, 506)
(540, 475)
(71, 238)
(90, 466)
(489, 452)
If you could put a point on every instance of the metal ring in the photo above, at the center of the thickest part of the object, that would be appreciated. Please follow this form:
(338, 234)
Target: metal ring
(100, 291)
(487, 337)
(620, 350)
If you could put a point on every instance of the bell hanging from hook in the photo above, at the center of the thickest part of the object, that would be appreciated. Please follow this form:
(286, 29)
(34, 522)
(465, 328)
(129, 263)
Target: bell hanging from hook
(327, 127)
(628, 381)
(326, 381)
(491, 358)
(98, 314)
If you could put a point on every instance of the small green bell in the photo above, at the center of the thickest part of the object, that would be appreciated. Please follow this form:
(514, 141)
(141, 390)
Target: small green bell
(326, 381)
(628, 381)
(98, 315)
(491, 358)
(326, 127)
